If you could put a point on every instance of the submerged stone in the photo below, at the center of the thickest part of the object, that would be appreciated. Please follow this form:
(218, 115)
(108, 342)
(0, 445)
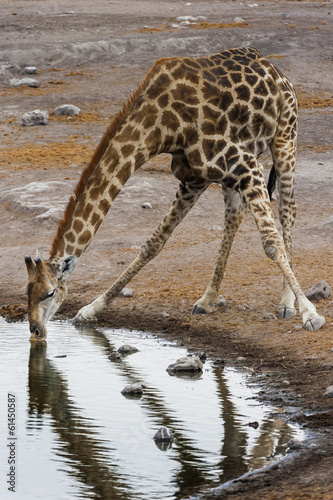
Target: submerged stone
(133, 389)
(164, 434)
(186, 364)
(127, 349)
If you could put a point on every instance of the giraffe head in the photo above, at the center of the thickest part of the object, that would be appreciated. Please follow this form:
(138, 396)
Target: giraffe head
(47, 289)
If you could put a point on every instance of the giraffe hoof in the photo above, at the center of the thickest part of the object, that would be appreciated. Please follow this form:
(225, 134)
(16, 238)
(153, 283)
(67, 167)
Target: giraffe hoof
(287, 312)
(199, 310)
(79, 319)
(314, 324)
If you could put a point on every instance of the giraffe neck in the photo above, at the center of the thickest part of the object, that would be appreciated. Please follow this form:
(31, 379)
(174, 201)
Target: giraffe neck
(96, 191)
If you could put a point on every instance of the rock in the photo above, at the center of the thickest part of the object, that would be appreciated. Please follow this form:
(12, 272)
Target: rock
(221, 302)
(321, 290)
(30, 70)
(67, 110)
(133, 389)
(7, 70)
(255, 425)
(147, 205)
(269, 316)
(114, 356)
(126, 292)
(127, 349)
(219, 363)
(202, 356)
(295, 444)
(164, 434)
(35, 117)
(241, 358)
(186, 364)
(29, 82)
(329, 392)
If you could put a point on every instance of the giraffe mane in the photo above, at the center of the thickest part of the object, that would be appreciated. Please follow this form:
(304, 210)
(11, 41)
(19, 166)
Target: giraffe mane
(97, 156)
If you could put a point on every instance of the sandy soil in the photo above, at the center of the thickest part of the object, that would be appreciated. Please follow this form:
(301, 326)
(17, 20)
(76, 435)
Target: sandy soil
(93, 55)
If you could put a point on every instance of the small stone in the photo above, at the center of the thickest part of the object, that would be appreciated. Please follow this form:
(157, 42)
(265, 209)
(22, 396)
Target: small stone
(241, 358)
(133, 389)
(114, 356)
(186, 364)
(286, 382)
(255, 425)
(295, 444)
(67, 110)
(147, 205)
(127, 349)
(126, 292)
(30, 70)
(221, 302)
(164, 434)
(321, 290)
(202, 356)
(329, 391)
(219, 363)
(36, 117)
(29, 82)
(269, 316)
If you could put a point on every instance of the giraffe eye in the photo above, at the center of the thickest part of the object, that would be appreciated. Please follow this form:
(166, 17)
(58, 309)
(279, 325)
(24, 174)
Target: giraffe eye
(49, 294)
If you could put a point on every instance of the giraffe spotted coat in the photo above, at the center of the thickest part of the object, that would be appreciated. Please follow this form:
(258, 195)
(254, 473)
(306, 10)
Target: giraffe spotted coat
(215, 115)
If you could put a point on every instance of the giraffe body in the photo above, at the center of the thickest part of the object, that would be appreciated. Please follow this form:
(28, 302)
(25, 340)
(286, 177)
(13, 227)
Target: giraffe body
(215, 115)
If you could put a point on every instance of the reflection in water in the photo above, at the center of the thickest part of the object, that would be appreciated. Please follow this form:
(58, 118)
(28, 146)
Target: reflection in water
(48, 393)
(102, 442)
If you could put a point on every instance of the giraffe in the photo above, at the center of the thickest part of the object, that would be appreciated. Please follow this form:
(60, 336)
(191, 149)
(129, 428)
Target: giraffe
(215, 115)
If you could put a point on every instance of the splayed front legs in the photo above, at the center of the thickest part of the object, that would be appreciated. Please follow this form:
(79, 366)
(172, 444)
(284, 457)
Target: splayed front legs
(185, 199)
(235, 209)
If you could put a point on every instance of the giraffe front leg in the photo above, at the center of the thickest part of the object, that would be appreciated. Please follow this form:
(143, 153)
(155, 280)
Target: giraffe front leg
(235, 209)
(185, 199)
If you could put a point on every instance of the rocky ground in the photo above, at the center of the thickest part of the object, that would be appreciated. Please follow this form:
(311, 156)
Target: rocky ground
(93, 55)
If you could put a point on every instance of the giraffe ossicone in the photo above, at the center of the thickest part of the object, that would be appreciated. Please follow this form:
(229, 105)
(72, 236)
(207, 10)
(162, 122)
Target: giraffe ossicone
(215, 115)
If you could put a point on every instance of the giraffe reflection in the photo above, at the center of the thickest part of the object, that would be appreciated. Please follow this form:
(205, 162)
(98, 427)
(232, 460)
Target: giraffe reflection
(95, 465)
(48, 394)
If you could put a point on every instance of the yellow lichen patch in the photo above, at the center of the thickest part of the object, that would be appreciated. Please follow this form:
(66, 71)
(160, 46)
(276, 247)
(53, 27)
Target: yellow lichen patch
(318, 100)
(86, 117)
(56, 154)
(203, 25)
(199, 25)
(275, 56)
(57, 86)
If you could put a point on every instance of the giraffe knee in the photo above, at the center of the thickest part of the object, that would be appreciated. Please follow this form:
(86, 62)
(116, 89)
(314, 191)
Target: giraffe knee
(144, 251)
(271, 252)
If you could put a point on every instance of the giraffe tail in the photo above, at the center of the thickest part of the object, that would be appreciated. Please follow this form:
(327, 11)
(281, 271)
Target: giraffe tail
(271, 182)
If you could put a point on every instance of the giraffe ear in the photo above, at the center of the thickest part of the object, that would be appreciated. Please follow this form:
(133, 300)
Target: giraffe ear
(67, 266)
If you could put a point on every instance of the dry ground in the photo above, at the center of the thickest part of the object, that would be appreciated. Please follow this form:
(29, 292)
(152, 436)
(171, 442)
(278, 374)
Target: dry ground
(93, 55)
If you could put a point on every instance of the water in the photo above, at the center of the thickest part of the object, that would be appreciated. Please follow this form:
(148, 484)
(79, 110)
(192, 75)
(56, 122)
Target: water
(79, 437)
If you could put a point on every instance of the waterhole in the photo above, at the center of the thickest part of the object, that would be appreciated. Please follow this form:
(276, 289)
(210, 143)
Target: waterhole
(76, 436)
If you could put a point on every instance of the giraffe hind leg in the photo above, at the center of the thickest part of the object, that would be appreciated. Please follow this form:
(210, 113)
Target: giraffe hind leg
(256, 196)
(185, 199)
(234, 212)
(283, 149)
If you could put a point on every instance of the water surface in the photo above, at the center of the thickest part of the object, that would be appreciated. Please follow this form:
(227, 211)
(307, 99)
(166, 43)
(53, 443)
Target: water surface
(79, 437)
